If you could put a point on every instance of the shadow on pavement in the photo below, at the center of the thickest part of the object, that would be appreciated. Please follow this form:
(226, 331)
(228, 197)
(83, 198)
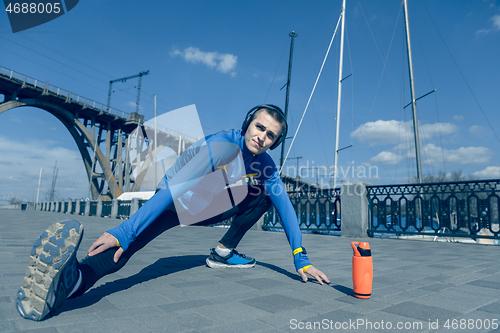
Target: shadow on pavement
(161, 267)
(343, 289)
(280, 270)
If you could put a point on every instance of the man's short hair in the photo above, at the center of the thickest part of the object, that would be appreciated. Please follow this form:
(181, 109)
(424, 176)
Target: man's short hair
(273, 113)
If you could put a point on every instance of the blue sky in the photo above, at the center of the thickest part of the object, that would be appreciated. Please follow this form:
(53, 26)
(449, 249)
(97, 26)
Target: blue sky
(228, 56)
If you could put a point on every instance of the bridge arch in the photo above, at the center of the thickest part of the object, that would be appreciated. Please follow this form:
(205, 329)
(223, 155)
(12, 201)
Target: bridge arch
(84, 139)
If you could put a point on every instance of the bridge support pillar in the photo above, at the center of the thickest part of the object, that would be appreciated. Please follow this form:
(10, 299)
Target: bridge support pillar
(99, 208)
(77, 208)
(87, 208)
(134, 206)
(114, 209)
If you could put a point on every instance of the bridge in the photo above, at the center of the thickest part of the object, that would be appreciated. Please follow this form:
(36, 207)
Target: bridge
(104, 135)
(12, 198)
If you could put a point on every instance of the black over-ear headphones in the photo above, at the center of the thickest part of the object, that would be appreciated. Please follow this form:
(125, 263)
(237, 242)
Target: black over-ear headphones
(249, 117)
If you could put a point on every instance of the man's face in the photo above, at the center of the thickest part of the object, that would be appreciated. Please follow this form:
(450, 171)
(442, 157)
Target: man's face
(262, 132)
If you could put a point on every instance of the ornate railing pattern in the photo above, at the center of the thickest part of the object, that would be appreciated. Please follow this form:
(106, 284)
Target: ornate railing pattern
(455, 209)
(317, 212)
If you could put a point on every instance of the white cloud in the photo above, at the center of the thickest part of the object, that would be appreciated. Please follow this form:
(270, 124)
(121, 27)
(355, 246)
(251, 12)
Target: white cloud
(458, 117)
(223, 62)
(386, 158)
(427, 131)
(483, 31)
(463, 155)
(382, 132)
(432, 154)
(491, 172)
(496, 22)
(495, 26)
(477, 130)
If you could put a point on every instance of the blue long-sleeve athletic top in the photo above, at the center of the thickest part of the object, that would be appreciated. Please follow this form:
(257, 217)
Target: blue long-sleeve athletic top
(197, 176)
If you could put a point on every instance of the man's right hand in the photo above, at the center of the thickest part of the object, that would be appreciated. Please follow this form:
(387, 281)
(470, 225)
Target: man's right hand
(106, 241)
(315, 273)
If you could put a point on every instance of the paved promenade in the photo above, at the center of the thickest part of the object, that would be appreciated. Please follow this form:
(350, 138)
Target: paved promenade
(418, 286)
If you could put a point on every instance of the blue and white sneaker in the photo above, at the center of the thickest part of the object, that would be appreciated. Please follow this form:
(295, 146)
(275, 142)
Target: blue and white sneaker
(52, 272)
(232, 260)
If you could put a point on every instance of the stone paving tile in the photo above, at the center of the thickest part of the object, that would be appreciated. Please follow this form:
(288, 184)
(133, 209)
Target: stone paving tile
(439, 286)
(176, 306)
(403, 296)
(243, 326)
(454, 301)
(364, 306)
(230, 312)
(7, 326)
(178, 321)
(326, 306)
(486, 283)
(134, 298)
(122, 325)
(465, 278)
(234, 297)
(262, 283)
(275, 303)
(128, 312)
(423, 312)
(493, 308)
(55, 321)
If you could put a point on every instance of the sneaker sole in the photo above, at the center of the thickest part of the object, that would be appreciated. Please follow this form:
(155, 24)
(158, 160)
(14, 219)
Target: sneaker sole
(214, 264)
(50, 254)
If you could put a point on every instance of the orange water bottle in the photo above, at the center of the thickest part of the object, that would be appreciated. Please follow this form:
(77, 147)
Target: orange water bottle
(362, 270)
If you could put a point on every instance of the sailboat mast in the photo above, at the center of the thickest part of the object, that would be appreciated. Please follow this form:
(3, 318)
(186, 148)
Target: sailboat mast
(156, 144)
(39, 181)
(292, 36)
(412, 89)
(339, 97)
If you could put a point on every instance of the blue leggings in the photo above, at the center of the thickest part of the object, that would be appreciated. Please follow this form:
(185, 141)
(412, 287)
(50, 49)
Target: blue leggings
(245, 214)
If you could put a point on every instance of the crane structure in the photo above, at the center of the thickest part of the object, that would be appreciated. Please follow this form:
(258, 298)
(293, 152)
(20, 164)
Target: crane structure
(124, 79)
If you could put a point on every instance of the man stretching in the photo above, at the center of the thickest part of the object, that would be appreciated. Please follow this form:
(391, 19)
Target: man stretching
(207, 184)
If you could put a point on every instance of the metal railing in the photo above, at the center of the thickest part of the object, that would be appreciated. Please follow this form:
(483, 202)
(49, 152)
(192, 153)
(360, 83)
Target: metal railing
(455, 209)
(317, 212)
(124, 209)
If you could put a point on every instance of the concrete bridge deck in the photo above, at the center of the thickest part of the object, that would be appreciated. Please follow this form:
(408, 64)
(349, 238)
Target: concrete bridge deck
(418, 286)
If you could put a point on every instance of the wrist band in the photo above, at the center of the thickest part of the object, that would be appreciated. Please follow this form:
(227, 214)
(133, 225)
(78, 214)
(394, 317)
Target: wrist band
(117, 243)
(304, 269)
(300, 249)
